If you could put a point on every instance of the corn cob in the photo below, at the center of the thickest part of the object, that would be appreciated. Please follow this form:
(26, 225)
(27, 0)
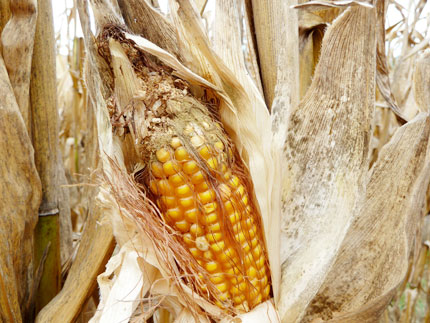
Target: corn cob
(201, 193)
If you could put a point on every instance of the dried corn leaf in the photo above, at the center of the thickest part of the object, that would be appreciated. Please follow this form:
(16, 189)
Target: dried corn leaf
(421, 81)
(392, 208)
(20, 195)
(326, 158)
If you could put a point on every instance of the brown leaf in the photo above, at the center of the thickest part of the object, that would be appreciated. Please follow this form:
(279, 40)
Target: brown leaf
(373, 259)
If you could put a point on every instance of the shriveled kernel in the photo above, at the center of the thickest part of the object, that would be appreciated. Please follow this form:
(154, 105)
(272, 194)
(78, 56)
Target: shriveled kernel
(187, 202)
(208, 255)
(163, 155)
(157, 169)
(212, 266)
(183, 226)
(202, 244)
(175, 214)
(197, 178)
(183, 190)
(175, 142)
(177, 179)
(190, 167)
(214, 237)
(207, 196)
(181, 154)
(197, 141)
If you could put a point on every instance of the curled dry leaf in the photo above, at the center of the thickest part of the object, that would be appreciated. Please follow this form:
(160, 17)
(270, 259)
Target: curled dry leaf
(421, 82)
(371, 263)
(326, 158)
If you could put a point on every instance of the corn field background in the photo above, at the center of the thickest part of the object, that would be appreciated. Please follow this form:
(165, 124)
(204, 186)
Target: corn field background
(327, 103)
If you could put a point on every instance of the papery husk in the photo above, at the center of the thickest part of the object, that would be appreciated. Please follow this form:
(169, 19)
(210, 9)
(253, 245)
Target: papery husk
(421, 81)
(20, 196)
(327, 158)
(374, 256)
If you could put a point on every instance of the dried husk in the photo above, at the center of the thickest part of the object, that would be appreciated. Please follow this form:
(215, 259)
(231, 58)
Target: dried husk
(421, 81)
(363, 279)
(20, 195)
(326, 158)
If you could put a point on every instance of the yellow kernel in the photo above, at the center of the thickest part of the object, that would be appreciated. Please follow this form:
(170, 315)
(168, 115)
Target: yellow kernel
(186, 202)
(197, 178)
(229, 207)
(192, 215)
(190, 167)
(240, 237)
(257, 251)
(171, 167)
(238, 288)
(212, 266)
(157, 169)
(196, 230)
(183, 226)
(227, 255)
(153, 186)
(223, 287)
(177, 179)
(175, 142)
(212, 163)
(234, 181)
(219, 145)
(236, 280)
(223, 168)
(254, 242)
(165, 188)
(244, 200)
(218, 246)
(240, 190)
(257, 300)
(262, 275)
(252, 231)
(248, 260)
(210, 207)
(211, 218)
(223, 297)
(247, 223)
(163, 155)
(234, 218)
(214, 236)
(246, 247)
(197, 141)
(260, 262)
(202, 187)
(266, 291)
(233, 272)
(239, 299)
(216, 278)
(237, 228)
(188, 239)
(181, 154)
(168, 201)
(195, 252)
(227, 175)
(224, 191)
(214, 227)
(183, 191)
(207, 196)
(251, 272)
(174, 214)
(205, 152)
(208, 255)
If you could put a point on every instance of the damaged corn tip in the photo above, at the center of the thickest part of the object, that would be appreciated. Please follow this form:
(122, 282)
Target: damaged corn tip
(199, 208)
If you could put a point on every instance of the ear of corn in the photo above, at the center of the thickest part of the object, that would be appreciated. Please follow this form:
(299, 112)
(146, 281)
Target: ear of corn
(203, 194)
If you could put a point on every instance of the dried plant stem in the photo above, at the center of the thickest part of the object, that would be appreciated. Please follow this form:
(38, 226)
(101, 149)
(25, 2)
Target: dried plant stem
(45, 141)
